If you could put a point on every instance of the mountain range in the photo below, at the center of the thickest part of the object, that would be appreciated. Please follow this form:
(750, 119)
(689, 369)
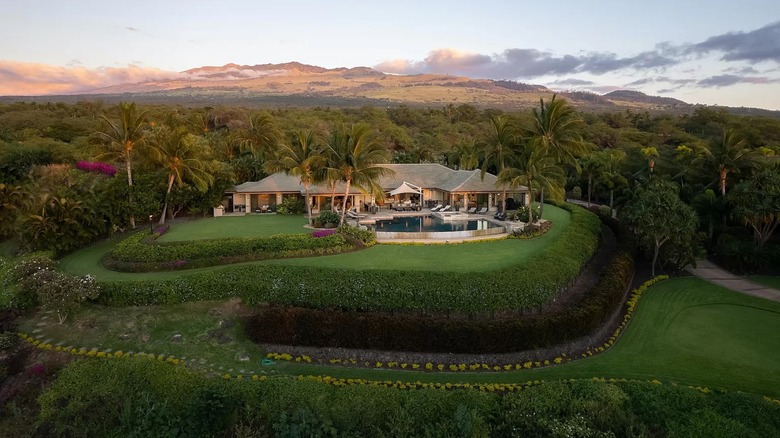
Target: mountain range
(296, 84)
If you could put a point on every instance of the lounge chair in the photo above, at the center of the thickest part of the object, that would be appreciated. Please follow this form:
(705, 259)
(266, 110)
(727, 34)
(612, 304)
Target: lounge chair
(472, 210)
(446, 208)
(483, 210)
(437, 208)
(354, 215)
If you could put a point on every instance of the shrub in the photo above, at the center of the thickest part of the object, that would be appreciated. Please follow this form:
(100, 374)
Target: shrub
(329, 217)
(19, 290)
(291, 206)
(138, 397)
(137, 254)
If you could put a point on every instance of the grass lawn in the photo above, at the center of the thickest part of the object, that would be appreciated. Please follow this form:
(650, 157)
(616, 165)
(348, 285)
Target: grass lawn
(767, 280)
(685, 331)
(251, 225)
(479, 256)
(150, 329)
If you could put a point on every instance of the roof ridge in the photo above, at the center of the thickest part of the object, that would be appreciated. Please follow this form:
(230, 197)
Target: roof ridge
(471, 174)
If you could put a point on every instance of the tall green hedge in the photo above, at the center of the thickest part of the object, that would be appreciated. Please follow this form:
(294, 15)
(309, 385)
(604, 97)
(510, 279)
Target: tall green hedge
(139, 248)
(401, 332)
(518, 287)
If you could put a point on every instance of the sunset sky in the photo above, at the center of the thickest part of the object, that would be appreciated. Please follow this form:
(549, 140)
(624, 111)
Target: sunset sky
(712, 52)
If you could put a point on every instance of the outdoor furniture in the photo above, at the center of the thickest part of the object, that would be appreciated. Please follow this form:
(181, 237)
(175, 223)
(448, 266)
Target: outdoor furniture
(472, 210)
(483, 210)
(437, 208)
(353, 215)
(446, 208)
(264, 208)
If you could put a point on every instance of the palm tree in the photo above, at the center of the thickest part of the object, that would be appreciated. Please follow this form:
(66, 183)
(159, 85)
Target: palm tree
(261, 137)
(179, 153)
(591, 165)
(301, 157)
(119, 140)
(650, 153)
(556, 130)
(465, 156)
(727, 154)
(357, 160)
(534, 168)
(498, 148)
(611, 177)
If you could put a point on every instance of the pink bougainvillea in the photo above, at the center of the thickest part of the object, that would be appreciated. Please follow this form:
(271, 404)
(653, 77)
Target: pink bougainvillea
(96, 167)
(322, 233)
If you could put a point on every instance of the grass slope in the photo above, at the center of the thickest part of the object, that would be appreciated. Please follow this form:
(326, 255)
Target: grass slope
(251, 225)
(480, 256)
(767, 280)
(685, 331)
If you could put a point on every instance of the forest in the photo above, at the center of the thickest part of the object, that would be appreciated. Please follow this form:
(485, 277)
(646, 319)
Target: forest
(65, 168)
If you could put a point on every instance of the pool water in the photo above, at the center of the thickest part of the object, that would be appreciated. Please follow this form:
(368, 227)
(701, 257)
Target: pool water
(427, 224)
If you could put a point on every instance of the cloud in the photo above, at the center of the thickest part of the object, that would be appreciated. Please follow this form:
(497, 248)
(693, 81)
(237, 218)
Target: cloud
(762, 44)
(132, 29)
(719, 81)
(29, 79)
(572, 82)
(522, 63)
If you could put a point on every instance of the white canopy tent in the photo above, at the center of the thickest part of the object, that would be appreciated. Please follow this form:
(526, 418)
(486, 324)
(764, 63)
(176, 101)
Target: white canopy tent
(406, 187)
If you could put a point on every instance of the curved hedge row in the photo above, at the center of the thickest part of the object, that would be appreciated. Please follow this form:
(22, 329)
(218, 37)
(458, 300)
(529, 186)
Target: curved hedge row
(517, 287)
(140, 248)
(334, 328)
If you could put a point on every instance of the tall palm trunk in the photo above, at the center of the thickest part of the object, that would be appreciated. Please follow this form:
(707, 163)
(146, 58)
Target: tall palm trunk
(308, 200)
(130, 190)
(167, 196)
(541, 202)
(590, 178)
(611, 200)
(344, 206)
(530, 202)
(723, 174)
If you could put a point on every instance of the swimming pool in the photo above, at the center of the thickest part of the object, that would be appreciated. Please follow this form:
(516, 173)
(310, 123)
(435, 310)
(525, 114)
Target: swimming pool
(429, 227)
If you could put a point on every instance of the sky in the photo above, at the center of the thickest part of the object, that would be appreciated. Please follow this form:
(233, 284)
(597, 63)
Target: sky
(710, 52)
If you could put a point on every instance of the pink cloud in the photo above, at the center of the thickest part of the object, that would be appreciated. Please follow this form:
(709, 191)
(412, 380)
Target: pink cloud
(31, 79)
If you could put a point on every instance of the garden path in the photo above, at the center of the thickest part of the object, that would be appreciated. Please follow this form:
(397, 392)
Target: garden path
(713, 273)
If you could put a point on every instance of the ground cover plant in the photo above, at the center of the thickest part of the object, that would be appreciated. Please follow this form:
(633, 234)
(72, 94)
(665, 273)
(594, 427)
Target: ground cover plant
(176, 401)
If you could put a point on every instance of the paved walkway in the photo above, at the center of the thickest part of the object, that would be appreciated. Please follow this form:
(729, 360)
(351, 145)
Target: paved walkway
(713, 273)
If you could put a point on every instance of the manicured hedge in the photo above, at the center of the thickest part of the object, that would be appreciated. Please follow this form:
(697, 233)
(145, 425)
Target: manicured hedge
(403, 332)
(141, 397)
(139, 248)
(518, 287)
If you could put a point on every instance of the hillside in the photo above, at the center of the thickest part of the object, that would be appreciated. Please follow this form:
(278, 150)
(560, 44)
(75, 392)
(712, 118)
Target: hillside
(297, 84)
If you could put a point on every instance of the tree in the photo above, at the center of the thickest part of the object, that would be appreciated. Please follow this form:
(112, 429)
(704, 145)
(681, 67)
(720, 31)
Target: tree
(650, 153)
(756, 203)
(556, 130)
(12, 201)
(660, 219)
(357, 160)
(709, 208)
(120, 139)
(611, 178)
(534, 168)
(727, 154)
(261, 137)
(498, 148)
(591, 165)
(181, 156)
(300, 156)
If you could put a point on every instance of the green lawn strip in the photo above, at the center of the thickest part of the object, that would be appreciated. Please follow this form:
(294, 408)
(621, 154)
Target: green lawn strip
(251, 225)
(481, 256)
(685, 331)
(150, 330)
(766, 280)
(471, 257)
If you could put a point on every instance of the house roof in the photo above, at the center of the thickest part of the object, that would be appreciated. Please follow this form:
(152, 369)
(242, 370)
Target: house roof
(425, 175)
